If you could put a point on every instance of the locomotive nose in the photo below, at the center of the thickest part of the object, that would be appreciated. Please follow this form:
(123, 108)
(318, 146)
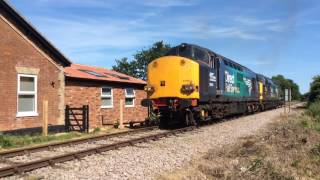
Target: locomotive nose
(173, 76)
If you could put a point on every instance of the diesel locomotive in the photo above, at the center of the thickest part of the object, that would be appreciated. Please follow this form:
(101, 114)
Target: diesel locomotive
(192, 84)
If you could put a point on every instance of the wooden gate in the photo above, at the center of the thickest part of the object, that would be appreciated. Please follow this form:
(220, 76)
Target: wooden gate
(77, 119)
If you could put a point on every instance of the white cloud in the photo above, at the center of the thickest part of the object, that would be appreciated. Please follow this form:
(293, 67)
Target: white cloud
(251, 21)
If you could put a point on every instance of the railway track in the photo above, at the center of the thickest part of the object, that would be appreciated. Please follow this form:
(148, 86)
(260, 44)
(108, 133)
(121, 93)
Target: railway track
(92, 145)
(26, 159)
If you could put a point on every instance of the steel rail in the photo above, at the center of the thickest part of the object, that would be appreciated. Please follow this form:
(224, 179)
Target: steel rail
(50, 146)
(51, 161)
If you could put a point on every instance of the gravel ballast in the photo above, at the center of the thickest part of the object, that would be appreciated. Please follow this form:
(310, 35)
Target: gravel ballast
(148, 160)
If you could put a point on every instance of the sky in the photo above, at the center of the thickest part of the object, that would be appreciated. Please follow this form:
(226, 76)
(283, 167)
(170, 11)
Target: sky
(269, 37)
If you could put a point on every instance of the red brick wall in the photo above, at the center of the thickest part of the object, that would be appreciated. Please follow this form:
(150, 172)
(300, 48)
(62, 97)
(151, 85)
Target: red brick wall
(79, 93)
(16, 51)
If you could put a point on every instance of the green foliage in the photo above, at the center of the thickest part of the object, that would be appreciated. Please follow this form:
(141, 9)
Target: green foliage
(305, 97)
(125, 67)
(284, 83)
(8, 141)
(315, 90)
(137, 67)
(96, 130)
(314, 110)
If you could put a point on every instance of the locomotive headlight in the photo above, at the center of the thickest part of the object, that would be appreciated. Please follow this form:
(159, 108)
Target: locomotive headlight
(149, 89)
(187, 88)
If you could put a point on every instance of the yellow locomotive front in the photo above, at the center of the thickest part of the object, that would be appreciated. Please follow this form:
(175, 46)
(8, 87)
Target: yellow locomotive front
(173, 83)
(173, 77)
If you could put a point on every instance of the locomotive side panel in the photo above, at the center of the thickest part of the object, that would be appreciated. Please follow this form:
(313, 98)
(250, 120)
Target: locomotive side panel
(238, 83)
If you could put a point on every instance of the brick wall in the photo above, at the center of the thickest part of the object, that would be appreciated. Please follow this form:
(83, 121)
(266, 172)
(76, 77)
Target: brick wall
(81, 92)
(17, 53)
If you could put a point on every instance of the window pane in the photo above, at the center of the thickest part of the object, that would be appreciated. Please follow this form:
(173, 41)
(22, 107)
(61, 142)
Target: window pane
(129, 101)
(201, 55)
(26, 103)
(106, 102)
(185, 51)
(129, 92)
(27, 84)
(106, 91)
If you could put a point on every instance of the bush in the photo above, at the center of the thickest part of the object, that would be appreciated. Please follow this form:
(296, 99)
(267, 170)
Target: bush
(314, 110)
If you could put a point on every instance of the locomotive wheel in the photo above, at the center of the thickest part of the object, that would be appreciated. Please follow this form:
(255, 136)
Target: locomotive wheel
(164, 118)
(189, 119)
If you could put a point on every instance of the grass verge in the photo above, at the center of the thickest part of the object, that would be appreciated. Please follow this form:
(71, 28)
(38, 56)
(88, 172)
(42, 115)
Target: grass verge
(11, 141)
(14, 141)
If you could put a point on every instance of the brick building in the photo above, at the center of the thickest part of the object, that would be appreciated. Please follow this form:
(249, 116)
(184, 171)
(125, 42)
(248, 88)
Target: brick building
(102, 90)
(31, 70)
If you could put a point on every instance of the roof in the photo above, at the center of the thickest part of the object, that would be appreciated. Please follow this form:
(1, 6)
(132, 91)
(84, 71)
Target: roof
(28, 30)
(99, 74)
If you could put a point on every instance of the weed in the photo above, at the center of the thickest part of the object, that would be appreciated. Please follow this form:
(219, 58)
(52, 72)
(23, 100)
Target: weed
(211, 171)
(275, 175)
(96, 130)
(305, 123)
(295, 163)
(316, 150)
(257, 163)
(314, 110)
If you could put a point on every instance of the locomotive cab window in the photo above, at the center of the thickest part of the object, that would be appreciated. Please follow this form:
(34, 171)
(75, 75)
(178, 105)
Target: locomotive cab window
(201, 55)
(172, 52)
(185, 51)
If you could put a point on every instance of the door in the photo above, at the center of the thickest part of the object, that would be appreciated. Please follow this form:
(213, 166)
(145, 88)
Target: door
(212, 78)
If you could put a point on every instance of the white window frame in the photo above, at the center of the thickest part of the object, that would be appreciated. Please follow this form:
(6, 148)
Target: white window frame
(107, 96)
(130, 96)
(35, 93)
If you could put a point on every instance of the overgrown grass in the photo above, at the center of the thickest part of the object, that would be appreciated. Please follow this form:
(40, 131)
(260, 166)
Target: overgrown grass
(314, 111)
(10, 141)
(311, 117)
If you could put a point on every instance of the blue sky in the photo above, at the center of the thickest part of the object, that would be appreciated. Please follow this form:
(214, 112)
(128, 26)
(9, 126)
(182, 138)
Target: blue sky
(270, 37)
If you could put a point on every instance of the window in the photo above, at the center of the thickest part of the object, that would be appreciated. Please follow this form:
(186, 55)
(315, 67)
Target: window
(106, 97)
(130, 96)
(92, 73)
(201, 55)
(172, 52)
(27, 95)
(118, 76)
(185, 51)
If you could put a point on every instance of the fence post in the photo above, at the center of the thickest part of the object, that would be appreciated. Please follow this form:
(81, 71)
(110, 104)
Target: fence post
(84, 119)
(87, 118)
(121, 115)
(66, 114)
(45, 118)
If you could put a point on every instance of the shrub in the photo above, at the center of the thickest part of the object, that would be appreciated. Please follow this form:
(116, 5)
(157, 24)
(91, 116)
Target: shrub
(314, 110)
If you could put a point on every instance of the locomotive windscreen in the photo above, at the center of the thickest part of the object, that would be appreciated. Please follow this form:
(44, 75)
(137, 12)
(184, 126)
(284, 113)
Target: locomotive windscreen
(189, 52)
(183, 50)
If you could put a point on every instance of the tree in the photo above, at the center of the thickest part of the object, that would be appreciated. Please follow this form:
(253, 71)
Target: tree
(124, 66)
(284, 83)
(138, 66)
(315, 89)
